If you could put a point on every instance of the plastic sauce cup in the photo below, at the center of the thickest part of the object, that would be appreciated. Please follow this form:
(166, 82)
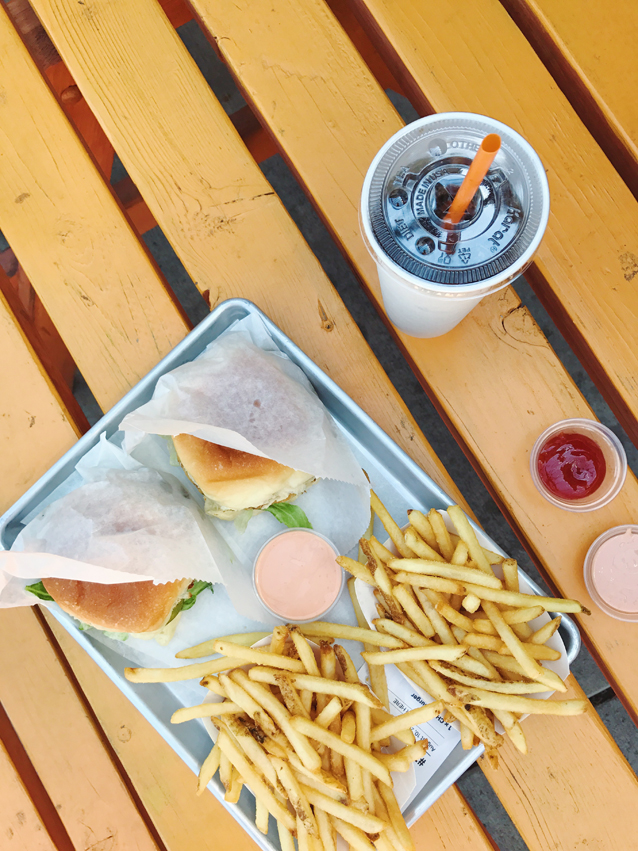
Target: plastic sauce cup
(612, 452)
(432, 275)
(611, 572)
(296, 575)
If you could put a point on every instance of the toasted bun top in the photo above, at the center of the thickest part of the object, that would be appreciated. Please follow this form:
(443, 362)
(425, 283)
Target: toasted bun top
(235, 480)
(135, 607)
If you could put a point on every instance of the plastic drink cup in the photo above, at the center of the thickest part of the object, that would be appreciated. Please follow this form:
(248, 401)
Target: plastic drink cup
(432, 274)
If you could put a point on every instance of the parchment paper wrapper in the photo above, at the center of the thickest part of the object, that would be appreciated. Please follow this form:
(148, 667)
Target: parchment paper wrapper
(112, 521)
(242, 392)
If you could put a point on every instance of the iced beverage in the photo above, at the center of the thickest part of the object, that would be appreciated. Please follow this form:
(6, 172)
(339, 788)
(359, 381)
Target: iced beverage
(433, 273)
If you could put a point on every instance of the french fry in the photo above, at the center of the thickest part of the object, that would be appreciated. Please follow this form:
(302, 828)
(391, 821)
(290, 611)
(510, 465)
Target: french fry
(545, 632)
(428, 599)
(505, 688)
(378, 681)
(443, 540)
(206, 647)
(187, 672)
(305, 651)
(413, 718)
(250, 706)
(253, 750)
(510, 574)
(512, 728)
(485, 642)
(411, 654)
(381, 551)
(204, 710)
(404, 633)
(296, 795)
(396, 819)
(354, 836)
(536, 651)
(447, 571)
(236, 783)
(348, 727)
(292, 698)
(327, 832)
(278, 641)
(421, 548)
(420, 522)
(326, 737)
(211, 682)
(208, 769)
(320, 629)
(460, 554)
(225, 771)
(347, 691)
(402, 759)
(393, 530)
(518, 600)
(436, 583)
(257, 786)
(510, 616)
(258, 657)
(261, 816)
(453, 616)
(529, 665)
(330, 711)
(522, 705)
(358, 570)
(280, 714)
(429, 680)
(380, 716)
(367, 822)
(467, 738)
(285, 837)
(471, 603)
(405, 598)
(467, 534)
(322, 780)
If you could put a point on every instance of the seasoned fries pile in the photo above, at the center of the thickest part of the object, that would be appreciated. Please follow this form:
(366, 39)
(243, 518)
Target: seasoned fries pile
(305, 736)
(455, 629)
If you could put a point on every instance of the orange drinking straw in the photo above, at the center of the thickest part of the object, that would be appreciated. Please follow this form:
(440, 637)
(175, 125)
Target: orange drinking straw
(478, 169)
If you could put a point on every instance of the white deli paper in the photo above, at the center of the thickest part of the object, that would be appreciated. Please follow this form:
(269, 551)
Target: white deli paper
(112, 521)
(242, 392)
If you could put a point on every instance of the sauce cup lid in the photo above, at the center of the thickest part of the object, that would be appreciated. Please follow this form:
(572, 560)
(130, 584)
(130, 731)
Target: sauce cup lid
(588, 572)
(613, 452)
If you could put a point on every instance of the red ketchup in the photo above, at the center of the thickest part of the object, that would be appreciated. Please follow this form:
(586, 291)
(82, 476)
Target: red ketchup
(571, 466)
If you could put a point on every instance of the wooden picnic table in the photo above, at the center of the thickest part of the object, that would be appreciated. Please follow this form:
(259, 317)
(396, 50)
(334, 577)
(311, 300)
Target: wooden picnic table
(80, 767)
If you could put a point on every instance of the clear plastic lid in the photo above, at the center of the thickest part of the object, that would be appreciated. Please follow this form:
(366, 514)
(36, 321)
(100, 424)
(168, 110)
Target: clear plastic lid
(414, 180)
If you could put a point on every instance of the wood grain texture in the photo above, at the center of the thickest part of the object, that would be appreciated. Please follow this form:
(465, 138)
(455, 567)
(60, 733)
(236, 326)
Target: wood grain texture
(497, 353)
(222, 217)
(472, 57)
(93, 276)
(166, 785)
(21, 826)
(590, 52)
(35, 426)
(62, 743)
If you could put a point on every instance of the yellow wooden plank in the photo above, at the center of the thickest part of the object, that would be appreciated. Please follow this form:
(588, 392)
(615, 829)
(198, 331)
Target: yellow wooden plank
(35, 427)
(21, 825)
(474, 58)
(167, 786)
(222, 217)
(594, 65)
(62, 743)
(89, 269)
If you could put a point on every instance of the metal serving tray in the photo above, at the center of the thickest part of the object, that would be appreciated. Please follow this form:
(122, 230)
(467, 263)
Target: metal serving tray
(395, 477)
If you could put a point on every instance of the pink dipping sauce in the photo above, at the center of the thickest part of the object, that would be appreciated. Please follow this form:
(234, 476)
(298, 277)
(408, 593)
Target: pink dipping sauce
(614, 571)
(296, 575)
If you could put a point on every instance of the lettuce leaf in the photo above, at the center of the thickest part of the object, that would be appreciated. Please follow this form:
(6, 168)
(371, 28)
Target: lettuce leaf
(293, 516)
(188, 602)
(40, 591)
